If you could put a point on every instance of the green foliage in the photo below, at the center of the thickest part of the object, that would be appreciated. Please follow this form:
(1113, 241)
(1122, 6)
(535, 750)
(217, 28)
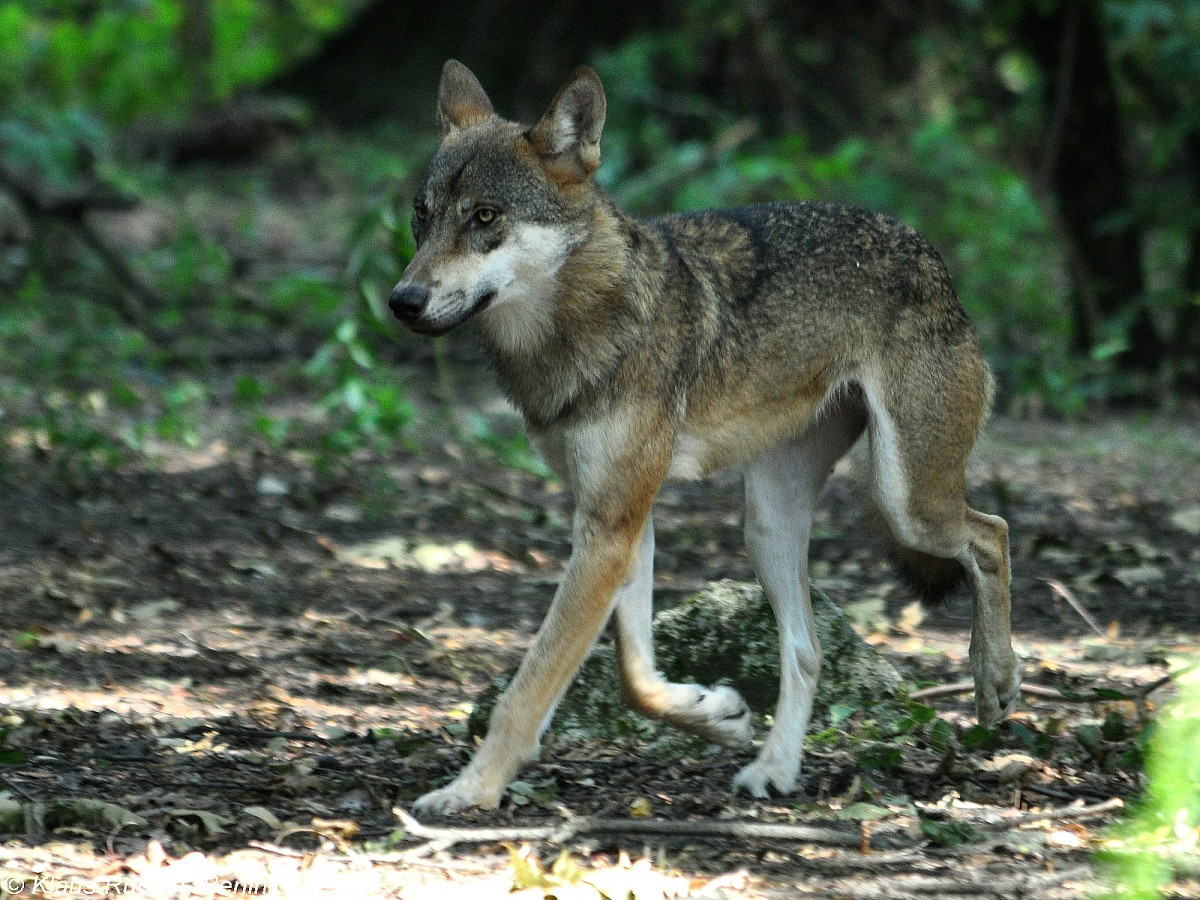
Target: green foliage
(1161, 835)
(84, 386)
(364, 407)
(948, 833)
(123, 60)
(513, 449)
(9, 756)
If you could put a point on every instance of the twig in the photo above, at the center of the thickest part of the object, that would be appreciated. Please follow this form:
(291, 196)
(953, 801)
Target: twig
(921, 887)
(858, 862)
(1167, 679)
(230, 730)
(138, 297)
(942, 690)
(278, 850)
(963, 687)
(1061, 590)
(16, 788)
(564, 831)
(511, 496)
(1047, 791)
(661, 179)
(999, 821)
(411, 855)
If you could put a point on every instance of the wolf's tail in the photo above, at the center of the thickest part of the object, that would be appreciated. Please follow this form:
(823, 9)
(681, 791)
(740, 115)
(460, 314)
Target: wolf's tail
(931, 578)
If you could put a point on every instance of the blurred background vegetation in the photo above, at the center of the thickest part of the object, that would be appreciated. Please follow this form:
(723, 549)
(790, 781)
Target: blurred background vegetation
(204, 202)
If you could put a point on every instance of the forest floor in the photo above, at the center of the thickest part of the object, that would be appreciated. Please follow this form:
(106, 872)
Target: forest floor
(249, 665)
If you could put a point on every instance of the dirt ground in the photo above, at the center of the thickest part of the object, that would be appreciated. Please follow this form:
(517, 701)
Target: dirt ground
(259, 663)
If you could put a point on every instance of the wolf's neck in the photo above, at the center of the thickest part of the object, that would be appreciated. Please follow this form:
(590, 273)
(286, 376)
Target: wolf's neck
(575, 342)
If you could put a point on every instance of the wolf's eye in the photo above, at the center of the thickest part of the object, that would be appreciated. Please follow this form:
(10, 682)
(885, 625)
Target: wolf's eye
(485, 215)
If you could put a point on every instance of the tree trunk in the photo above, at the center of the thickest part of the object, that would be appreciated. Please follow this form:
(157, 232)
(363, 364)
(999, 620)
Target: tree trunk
(1186, 349)
(1084, 165)
(196, 50)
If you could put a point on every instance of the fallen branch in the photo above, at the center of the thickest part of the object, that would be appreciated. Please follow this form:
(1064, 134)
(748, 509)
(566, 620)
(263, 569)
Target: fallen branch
(922, 887)
(286, 852)
(964, 687)
(1047, 791)
(858, 862)
(562, 832)
(1067, 813)
(16, 788)
(992, 820)
(343, 856)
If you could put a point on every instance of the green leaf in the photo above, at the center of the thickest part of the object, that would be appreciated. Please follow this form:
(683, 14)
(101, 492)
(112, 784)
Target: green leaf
(1089, 735)
(1114, 727)
(212, 823)
(863, 812)
(948, 833)
(941, 736)
(881, 757)
(980, 737)
(921, 713)
(840, 712)
(25, 640)
(248, 390)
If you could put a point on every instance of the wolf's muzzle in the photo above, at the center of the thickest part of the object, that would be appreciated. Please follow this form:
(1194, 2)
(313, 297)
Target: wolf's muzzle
(408, 301)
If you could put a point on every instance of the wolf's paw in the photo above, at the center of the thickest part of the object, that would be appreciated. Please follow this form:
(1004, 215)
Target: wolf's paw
(716, 714)
(997, 689)
(762, 777)
(462, 793)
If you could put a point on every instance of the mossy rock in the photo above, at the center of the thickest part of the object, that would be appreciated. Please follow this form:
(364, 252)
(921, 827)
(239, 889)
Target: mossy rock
(723, 634)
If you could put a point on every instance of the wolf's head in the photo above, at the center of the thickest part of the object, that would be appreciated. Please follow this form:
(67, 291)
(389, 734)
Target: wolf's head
(500, 210)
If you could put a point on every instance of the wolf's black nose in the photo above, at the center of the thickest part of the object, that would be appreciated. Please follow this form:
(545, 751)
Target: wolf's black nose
(408, 300)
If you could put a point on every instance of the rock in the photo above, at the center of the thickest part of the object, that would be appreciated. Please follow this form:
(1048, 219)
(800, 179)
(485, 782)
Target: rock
(724, 634)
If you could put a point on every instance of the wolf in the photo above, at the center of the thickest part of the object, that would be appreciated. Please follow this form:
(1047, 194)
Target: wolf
(766, 338)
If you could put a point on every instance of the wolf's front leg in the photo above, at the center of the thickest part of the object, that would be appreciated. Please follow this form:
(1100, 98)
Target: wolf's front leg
(576, 617)
(717, 714)
(782, 487)
(614, 472)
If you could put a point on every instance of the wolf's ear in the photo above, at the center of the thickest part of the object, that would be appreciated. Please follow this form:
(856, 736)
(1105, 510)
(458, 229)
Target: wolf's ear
(568, 136)
(461, 99)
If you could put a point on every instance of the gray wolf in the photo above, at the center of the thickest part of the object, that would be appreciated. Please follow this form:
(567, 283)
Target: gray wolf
(767, 338)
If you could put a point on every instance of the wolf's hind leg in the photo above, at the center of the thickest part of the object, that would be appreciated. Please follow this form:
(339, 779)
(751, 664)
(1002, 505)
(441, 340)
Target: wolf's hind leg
(782, 488)
(716, 714)
(918, 454)
(993, 663)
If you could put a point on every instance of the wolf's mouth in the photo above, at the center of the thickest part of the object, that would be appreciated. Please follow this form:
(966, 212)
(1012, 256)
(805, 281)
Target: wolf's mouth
(438, 328)
(482, 303)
